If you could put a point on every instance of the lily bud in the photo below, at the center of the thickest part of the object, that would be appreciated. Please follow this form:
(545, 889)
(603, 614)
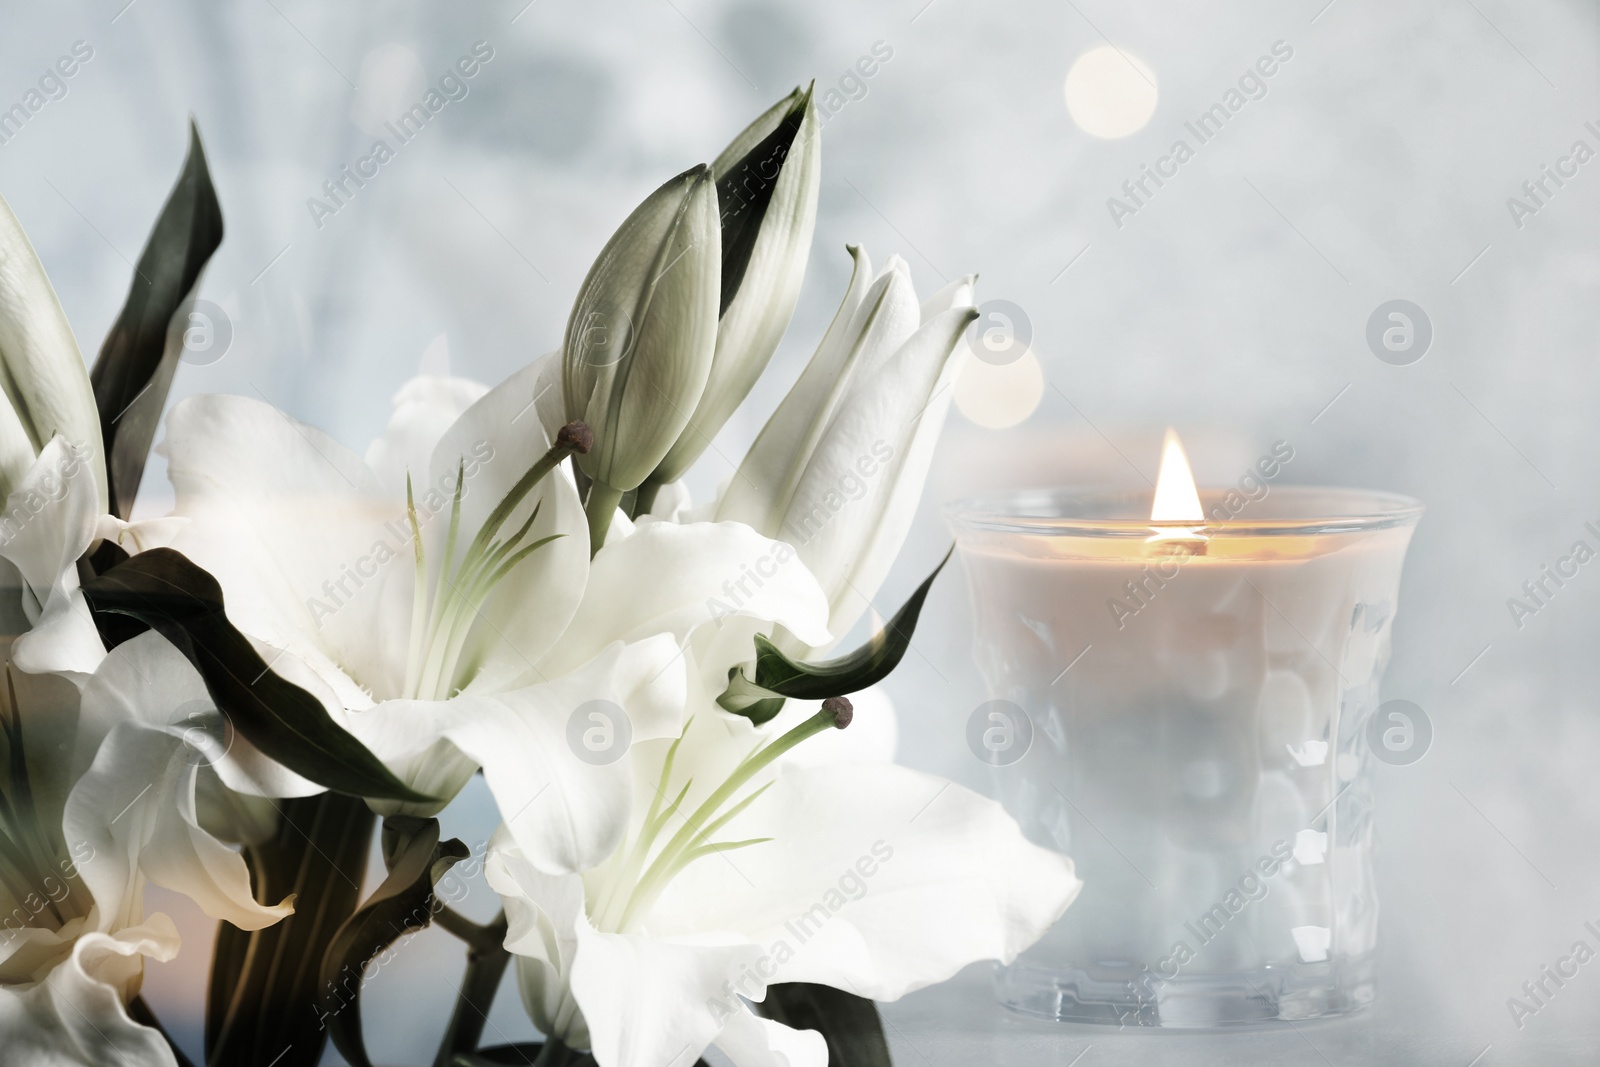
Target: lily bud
(838, 469)
(45, 381)
(639, 343)
(767, 181)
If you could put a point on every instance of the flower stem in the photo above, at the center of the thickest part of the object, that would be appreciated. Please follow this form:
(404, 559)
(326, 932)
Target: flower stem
(601, 507)
(479, 936)
(486, 965)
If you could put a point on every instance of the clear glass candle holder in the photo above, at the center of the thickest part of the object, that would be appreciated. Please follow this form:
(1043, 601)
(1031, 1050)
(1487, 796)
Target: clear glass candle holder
(1183, 711)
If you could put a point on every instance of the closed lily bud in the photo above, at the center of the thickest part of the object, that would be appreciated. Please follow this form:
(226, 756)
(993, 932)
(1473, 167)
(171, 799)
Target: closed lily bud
(838, 469)
(638, 346)
(767, 181)
(44, 378)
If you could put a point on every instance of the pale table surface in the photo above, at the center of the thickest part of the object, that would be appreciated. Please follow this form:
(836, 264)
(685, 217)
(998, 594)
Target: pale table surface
(959, 1023)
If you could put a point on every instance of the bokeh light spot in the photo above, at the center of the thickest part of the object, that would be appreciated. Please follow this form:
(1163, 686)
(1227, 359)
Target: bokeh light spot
(1110, 93)
(997, 396)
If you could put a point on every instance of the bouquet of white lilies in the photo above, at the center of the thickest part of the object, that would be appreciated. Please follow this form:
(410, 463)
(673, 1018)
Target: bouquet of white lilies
(228, 701)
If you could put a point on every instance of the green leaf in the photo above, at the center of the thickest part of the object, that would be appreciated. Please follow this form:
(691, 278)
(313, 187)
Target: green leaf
(850, 1024)
(416, 859)
(166, 592)
(261, 1008)
(140, 355)
(777, 677)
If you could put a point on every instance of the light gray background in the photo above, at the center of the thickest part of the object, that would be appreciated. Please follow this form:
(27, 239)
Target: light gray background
(1232, 306)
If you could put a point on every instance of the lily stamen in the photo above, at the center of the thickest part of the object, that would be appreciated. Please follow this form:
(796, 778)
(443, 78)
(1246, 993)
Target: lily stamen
(439, 634)
(691, 842)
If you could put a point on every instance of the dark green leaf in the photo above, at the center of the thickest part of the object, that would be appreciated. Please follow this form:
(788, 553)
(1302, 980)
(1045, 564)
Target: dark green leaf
(777, 677)
(165, 591)
(744, 192)
(404, 902)
(850, 1024)
(102, 559)
(140, 355)
(261, 1009)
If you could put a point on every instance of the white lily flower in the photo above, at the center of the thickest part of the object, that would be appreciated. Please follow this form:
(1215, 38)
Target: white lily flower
(438, 667)
(838, 469)
(73, 866)
(45, 381)
(741, 870)
(137, 747)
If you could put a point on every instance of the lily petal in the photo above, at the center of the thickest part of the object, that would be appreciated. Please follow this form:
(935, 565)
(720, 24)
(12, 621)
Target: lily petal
(16, 451)
(541, 932)
(873, 321)
(767, 475)
(50, 521)
(141, 535)
(135, 809)
(667, 578)
(548, 402)
(959, 293)
(75, 1016)
(314, 556)
(424, 408)
(566, 814)
(147, 681)
(861, 864)
(751, 1041)
(45, 378)
(873, 735)
(655, 1003)
(898, 408)
(876, 555)
(882, 324)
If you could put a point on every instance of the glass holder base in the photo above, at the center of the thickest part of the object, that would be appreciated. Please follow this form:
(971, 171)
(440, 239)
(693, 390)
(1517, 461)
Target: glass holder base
(1128, 996)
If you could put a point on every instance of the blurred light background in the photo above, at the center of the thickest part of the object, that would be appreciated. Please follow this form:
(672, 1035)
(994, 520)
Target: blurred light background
(1231, 300)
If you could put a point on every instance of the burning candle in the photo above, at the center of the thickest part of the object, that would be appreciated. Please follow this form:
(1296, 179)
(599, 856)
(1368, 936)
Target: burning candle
(1196, 669)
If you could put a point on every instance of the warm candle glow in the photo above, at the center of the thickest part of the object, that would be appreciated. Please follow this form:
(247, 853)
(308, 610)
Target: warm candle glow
(1176, 500)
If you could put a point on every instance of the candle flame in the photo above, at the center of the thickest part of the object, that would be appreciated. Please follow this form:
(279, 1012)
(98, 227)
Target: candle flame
(1176, 499)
